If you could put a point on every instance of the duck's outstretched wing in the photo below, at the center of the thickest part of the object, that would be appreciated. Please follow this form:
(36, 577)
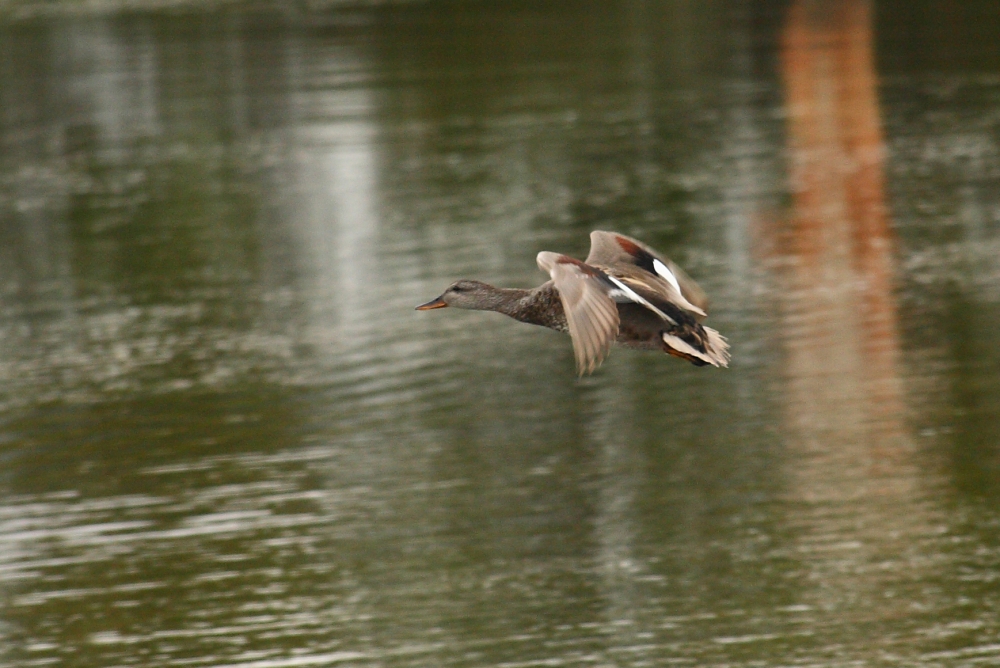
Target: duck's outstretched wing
(591, 313)
(613, 250)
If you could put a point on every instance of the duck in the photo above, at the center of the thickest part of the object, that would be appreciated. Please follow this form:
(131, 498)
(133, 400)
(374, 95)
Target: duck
(623, 293)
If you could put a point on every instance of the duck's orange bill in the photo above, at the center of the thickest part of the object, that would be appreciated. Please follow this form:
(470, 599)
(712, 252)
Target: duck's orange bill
(434, 303)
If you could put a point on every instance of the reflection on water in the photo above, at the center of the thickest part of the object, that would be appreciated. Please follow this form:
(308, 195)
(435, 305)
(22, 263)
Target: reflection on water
(842, 333)
(229, 441)
(852, 472)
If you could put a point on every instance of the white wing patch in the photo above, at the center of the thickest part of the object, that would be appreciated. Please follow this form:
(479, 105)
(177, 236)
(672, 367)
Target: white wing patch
(683, 346)
(663, 271)
(632, 295)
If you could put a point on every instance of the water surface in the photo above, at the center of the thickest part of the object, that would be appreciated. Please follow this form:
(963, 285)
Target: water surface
(228, 439)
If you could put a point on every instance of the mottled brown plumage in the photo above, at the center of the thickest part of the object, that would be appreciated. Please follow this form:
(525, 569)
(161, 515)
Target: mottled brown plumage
(624, 292)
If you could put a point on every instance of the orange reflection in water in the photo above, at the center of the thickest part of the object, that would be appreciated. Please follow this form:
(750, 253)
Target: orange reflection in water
(844, 393)
(852, 475)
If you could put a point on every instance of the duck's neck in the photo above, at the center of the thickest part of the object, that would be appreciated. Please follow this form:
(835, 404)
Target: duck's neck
(540, 306)
(501, 300)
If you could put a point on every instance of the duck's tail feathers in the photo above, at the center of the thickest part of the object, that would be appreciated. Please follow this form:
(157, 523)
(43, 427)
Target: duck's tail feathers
(716, 350)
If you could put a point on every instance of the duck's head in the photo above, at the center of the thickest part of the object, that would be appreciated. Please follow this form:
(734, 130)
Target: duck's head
(474, 295)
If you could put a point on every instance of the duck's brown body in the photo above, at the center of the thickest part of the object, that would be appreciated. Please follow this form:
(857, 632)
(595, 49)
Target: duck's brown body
(638, 328)
(623, 293)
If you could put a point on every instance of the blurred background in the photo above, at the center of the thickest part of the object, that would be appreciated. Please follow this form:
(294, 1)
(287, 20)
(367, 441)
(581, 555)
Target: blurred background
(227, 439)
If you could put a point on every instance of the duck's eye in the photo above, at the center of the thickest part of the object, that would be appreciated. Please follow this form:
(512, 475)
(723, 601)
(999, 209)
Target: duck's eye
(456, 288)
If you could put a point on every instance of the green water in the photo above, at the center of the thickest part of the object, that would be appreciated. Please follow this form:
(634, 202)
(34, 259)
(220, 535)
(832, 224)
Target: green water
(227, 439)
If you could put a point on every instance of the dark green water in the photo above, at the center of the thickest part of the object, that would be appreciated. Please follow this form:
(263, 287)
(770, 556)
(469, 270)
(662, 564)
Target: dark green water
(227, 439)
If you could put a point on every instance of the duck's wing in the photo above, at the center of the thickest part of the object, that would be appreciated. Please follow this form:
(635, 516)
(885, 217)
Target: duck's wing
(617, 251)
(591, 313)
